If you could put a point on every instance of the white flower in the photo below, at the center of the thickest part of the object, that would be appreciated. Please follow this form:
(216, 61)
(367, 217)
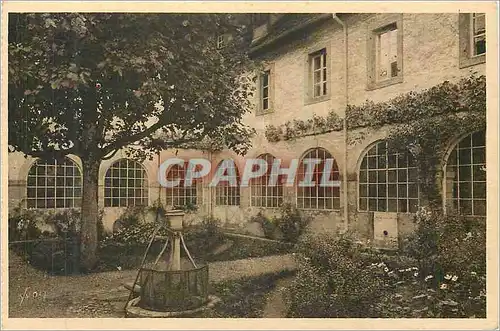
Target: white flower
(455, 278)
(386, 269)
(415, 274)
(443, 286)
(119, 268)
(448, 277)
(409, 269)
(390, 272)
(415, 268)
(473, 273)
(429, 277)
(401, 270)
(381, 264)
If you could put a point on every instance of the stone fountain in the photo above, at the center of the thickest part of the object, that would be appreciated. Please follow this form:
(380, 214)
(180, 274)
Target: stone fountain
(170, 287)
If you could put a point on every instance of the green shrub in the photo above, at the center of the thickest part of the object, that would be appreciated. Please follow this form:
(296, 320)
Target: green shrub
(23, 225)
(201, 239)
(333, 280)
(268, 226)
(291, 222)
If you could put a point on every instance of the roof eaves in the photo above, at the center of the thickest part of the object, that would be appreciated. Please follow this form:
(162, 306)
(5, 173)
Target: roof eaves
(280, 36)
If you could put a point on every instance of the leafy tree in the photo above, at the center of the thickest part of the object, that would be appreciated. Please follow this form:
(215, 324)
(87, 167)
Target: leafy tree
(91, 84)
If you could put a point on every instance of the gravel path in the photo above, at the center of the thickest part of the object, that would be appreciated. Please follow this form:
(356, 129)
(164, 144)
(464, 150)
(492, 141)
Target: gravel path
(275, 306)
(34, 294)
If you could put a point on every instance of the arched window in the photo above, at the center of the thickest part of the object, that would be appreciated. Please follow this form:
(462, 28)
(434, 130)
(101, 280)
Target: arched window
(225, 194)
(125, 184)
(317, 196)
(54, 184)
(263, 195)
(180, 195)
(466, 175)
(388, 181)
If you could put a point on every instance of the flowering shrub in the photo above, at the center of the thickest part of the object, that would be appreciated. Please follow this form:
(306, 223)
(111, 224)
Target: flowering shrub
(332, 280)
(442, 275)
(451, 250)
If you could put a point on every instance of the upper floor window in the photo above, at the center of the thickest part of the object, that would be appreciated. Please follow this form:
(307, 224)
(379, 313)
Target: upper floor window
(54, 184)
(478, 34)
(385, 62)
(125, 184)
(318, 67)
(472, 39)
(220, 41)
(387, 53)
(265, 91)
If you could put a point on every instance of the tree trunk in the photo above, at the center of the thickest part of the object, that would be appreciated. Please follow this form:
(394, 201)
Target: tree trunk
(90, 214)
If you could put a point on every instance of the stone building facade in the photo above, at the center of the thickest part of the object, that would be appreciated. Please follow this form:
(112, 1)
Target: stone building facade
(305, 74)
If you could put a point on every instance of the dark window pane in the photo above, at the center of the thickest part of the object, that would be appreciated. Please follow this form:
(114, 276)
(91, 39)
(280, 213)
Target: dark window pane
(362, 190)
(372, 162)
(381, 176)
(392, 190)
(402, 176)
(372, 176)
(479, 173)
(391, 161)
(392, 205)
(392, 176)
(478, 156)
(362, 176)
(372, 190)
(464, 156)
(372, 204)
(465, 190)
(402, 205)
(382, 190)
(402, 191)
(480, 190)
(382, 205)
(464, 173)
(479, 138)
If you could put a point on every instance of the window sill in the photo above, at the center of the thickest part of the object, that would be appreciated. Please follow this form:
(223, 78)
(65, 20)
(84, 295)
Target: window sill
(472, 61)
(377, 85)
(264, 112)
(311, 101)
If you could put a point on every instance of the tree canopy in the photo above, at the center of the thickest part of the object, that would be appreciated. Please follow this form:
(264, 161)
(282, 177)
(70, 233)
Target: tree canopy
(90, 84)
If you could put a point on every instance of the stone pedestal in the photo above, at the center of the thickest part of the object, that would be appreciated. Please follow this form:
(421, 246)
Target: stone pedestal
(176, 218)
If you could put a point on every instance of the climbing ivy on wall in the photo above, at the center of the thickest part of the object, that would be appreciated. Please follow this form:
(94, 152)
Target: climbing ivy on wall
(469, 95)
(423, 123)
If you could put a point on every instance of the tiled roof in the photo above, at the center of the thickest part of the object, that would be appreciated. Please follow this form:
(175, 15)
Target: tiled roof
(284, 25)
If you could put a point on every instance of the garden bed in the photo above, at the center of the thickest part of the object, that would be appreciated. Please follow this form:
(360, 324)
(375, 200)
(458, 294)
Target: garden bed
(226, 247)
